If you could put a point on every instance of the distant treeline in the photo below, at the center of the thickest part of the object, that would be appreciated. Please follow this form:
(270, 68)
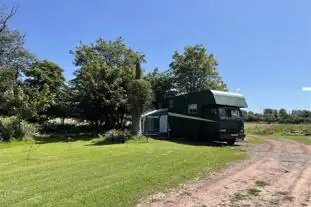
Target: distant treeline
(280, 116)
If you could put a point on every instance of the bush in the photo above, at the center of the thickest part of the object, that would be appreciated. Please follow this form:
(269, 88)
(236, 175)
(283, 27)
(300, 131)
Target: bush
(117, 136)
(56, 128)
(10, 129)
(138, 139)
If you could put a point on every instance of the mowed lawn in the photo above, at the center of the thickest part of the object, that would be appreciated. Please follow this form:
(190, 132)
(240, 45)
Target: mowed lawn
(78, 173)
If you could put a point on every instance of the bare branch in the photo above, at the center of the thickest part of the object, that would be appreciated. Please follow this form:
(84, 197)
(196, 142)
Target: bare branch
(4, 20)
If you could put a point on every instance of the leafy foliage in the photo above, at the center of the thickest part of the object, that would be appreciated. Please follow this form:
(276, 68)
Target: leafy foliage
(14, 61)
(139, 96)
(11, 128)
(195, 70)
(43, 73)
(44, 85)
(104, 72)
(116, 136)
(162, 86)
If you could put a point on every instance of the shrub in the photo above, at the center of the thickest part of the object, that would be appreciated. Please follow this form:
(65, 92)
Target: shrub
(11, 129)
(117, 136)
(138, 139)
(56, 128)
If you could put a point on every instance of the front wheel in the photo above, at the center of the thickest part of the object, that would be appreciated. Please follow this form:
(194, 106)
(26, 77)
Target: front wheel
(231, 142)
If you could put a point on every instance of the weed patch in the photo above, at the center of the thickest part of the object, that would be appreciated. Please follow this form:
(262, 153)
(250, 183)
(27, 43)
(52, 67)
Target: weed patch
(253, 192)
(261, 183)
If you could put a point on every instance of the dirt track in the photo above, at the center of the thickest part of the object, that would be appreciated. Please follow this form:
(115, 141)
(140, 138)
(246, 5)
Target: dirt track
(277, 173)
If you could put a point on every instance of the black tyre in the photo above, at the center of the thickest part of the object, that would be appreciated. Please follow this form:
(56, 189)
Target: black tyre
(231, 142)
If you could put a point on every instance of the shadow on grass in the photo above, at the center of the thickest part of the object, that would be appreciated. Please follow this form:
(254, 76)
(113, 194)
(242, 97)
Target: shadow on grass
(100, 142)
(198, 142)
(52, 138)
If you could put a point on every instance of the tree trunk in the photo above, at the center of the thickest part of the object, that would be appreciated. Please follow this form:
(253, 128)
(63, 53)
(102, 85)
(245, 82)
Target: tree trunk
(63, 119)
(97, 126)
(135, 123)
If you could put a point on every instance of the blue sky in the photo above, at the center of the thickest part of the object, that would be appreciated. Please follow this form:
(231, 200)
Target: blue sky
(263, 47)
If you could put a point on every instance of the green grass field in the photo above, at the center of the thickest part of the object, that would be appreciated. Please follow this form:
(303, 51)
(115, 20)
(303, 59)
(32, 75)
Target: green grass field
(79, 173)
(280, 131)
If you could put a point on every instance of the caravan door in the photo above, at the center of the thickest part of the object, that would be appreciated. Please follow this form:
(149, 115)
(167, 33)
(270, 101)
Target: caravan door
(163, 124)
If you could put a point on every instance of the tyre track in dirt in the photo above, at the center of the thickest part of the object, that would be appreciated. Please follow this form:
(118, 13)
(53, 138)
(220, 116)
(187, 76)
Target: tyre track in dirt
(284, 166)
(301, 191)
(286, 185)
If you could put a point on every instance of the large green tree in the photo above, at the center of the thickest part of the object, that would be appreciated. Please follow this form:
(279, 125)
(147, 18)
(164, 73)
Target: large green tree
(45, 79)
(195, 70)
(104, 72)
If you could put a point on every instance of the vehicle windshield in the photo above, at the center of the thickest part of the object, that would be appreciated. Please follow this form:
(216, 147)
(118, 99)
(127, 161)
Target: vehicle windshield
(226, 113)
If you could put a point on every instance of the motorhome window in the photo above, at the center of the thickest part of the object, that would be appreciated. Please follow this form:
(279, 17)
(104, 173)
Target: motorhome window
(235, 114)
(224, 113)
(229, 113)
(192, 108)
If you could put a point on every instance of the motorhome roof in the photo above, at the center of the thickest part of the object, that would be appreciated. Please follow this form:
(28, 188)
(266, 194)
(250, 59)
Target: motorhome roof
(216, 97)
(229, 99)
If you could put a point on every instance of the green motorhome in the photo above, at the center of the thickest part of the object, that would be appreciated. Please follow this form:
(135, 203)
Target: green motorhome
(204, 115)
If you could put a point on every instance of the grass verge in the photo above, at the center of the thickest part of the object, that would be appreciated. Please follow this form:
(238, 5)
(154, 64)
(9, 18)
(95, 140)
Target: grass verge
(78, 173)
(254, 140)
(278, 131)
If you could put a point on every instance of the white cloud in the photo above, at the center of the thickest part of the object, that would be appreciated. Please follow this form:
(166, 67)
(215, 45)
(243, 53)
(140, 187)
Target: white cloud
(306, 88)
(238, 89)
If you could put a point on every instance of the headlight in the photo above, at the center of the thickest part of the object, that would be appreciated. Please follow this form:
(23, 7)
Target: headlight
(222, 130)
(242, 130)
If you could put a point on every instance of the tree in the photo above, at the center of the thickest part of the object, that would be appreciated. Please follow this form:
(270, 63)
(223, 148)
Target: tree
(275, 115)
(45, 73)
(195, 70)
(44, 79)
(283, 114)
(13, 55)
(14, 61)
(100, 94)
(268, 115)
(104, 72)
(6, 88)
(139, 95)
(161, 85)
(65, 104)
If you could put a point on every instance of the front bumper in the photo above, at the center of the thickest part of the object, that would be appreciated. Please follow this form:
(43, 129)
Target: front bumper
(224, 136)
